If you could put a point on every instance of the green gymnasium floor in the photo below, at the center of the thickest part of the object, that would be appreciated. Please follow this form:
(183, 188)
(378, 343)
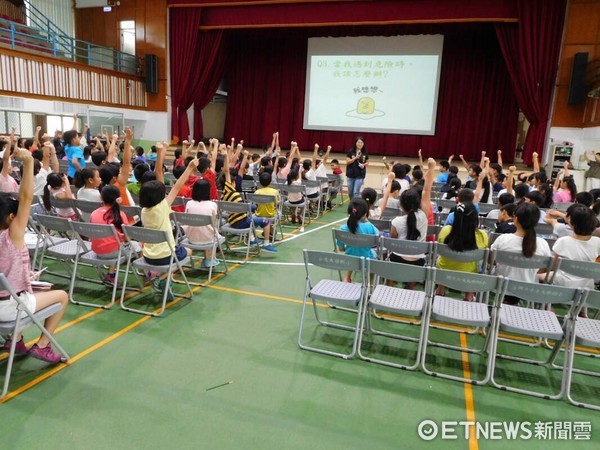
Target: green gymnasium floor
(224, 371)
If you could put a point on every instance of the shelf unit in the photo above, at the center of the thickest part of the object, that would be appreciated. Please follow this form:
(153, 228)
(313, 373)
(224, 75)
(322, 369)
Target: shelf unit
(560, 154)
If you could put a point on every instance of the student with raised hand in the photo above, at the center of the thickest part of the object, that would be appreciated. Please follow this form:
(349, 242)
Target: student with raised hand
(412, 225)
(15, 265)
(8, 183)
(565, 189)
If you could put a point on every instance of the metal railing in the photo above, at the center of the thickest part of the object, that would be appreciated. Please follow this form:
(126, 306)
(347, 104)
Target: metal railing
(42, 35)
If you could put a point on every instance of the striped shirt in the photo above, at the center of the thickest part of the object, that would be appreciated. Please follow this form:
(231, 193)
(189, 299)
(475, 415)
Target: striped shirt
(231, 195)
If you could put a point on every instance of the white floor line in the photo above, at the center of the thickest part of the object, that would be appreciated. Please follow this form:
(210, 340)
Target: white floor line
(269, 263)
(296, 236)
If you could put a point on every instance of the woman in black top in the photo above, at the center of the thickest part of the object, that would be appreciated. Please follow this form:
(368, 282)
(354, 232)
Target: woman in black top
(357, 160)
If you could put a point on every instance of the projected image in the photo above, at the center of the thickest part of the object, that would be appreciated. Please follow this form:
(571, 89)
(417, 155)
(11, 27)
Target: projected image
(387, 93)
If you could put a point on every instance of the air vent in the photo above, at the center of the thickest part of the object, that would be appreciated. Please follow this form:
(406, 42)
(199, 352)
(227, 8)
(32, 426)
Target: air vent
(12, 103)
(69, 108)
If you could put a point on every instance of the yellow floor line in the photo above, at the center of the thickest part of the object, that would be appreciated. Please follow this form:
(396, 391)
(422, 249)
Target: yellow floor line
(469, 403)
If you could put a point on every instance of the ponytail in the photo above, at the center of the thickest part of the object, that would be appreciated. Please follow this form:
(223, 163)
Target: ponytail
(357, 209)
(53, 180)
(46, 198)
(528, 215)
(110, 195)
(81, 176)
(412, 232)
(410, 202)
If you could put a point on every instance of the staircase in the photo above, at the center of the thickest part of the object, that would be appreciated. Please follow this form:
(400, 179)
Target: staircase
(42, 36)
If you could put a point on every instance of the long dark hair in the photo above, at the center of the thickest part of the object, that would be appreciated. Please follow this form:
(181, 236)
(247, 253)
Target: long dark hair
(528, 215)
(364, 149)
(292, 176)
(109, 195)
(571, 186)
(462, 236)
(410, 201)
(486, 190)
(357, 209)
(54, 181)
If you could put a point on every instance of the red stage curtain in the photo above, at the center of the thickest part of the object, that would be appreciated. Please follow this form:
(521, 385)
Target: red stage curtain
(477, 109)
(212, 55)
(531, 51)
(183, 36)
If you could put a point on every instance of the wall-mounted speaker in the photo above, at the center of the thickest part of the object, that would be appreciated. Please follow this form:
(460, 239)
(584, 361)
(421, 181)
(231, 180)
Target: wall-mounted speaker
(152, 74)
(577, 88)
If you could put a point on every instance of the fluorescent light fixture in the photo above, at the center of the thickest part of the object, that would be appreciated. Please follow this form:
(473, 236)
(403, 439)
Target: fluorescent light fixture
(107, 8)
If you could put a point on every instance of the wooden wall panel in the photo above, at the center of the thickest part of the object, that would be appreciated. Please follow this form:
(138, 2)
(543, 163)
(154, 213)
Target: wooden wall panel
(92, 24)
(582, 34)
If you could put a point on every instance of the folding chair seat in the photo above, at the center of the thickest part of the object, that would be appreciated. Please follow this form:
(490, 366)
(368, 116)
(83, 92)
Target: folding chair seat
(537, 323)
(63, 250)
(295, 189)
(249, 233)
(261, 199)
(394, 300)
(24, 319)
(324, 181)
(335, 185)
(85, 208)
(489, 224)
(82, 231)
(62, 203)
(199, 220)
(463, 313)
(151, 236)
(351, 295)
(485, 208)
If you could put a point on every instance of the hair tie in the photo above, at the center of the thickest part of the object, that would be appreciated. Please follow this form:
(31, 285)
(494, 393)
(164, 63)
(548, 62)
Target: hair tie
(460, 207)
(354, 210)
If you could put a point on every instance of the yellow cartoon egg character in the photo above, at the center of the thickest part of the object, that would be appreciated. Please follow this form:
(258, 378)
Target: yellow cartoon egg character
(366, 105)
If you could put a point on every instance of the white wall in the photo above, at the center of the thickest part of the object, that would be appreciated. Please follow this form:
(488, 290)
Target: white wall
(147, 125)
(583, 139)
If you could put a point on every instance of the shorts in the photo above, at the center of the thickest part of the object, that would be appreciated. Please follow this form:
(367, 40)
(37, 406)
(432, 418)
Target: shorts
(180, 254)
(8, 308)
(399, 259)
(258, 222)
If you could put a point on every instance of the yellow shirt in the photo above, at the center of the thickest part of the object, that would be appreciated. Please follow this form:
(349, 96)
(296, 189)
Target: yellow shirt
(481, 240)
(267, 209)
(157, 218)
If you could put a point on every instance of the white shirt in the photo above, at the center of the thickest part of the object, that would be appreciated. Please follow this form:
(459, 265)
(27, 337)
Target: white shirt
(570, 248)
(40, 181)
(312, 176)
(514, 243)
(399, 223)
(321, 172)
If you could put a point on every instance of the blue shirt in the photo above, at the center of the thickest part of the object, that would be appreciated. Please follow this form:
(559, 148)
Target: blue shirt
(450, 218)
(442, 178)
(72, 153)
(363, 228)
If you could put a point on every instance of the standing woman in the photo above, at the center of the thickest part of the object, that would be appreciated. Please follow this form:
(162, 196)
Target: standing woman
(357, 161)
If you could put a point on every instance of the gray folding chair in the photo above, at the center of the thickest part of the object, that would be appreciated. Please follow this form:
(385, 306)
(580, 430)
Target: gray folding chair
(199, 220)
(485, 208)
(561, 206)
(383, 225)
(24, 319)
(62, 203)
(261, 199)
(536, 323)
(248, 187)
(133, 213)
(390, 213)
(446, 204)
(335, 185)
(586, 333)
(83, 231)
(248, 233)
(313, 184)
(63, 250)
(347, 238)
(479, 255)
(394, 300)
(409, 248)
(351, 295)
(463, 313)
(85, 208)
(296, 189)
(544, 229)
(151, 236)
(489, 224)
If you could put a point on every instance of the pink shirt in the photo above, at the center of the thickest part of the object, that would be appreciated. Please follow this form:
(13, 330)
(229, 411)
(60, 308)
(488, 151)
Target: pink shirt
(201, 235)
(103, 246)
(14, 264)
(563, 196)
(8, 183)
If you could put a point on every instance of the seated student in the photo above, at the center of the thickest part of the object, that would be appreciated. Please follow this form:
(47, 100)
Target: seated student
(393, 200)
(268, 210)
(358, 223)
(57, 186)
(443, 176)
(335, 186)
(140, 157)
(412, 225)
(109, 213)
(309, 173)
(253, 167)
(565, 189)
(156, 212)
(506, 222)
(295, 198)
(153, 154)
(15, 265)
(503, 200)
(88, 181)
(49, 163)
(538, 198)
(118, 175)
(369, 195)
(451, 189)
(202, 204)
(138, 172)
(463, 235)
(400, 177)
(418, 179)
(241, 220)
(465, 196)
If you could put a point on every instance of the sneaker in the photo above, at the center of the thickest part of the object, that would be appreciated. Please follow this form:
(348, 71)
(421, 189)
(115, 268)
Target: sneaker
(255, 242)
(45, 354)
(20, 348)
(269, 248)
(109, 279)
(210, 262)
(162, 284)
